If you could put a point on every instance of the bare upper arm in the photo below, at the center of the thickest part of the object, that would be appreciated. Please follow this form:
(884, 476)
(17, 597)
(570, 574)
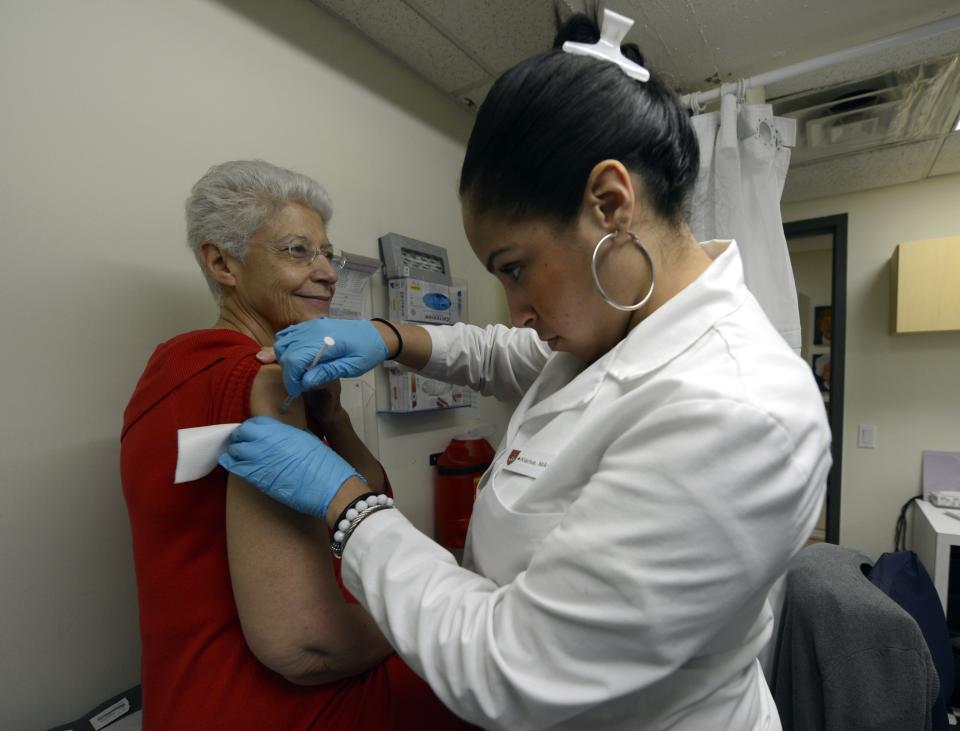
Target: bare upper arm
(280, 567)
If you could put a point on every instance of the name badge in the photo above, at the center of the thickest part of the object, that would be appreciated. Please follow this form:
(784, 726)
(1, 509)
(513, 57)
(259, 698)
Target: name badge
(525, 462)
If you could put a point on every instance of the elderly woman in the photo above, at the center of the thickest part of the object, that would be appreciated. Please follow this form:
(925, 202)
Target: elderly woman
(244, 621)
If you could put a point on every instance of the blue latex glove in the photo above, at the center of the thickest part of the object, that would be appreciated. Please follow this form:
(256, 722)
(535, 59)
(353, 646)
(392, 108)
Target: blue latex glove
(358, 347)
(288, 464)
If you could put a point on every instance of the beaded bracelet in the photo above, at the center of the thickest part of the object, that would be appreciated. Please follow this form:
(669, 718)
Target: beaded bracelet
(354, 516)
(352, 506)
(395, 332)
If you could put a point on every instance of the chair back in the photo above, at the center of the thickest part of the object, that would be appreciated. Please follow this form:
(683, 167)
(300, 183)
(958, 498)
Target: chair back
(847, 656)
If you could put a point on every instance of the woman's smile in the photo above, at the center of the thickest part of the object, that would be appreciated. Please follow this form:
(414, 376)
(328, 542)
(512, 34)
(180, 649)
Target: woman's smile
(314, 305)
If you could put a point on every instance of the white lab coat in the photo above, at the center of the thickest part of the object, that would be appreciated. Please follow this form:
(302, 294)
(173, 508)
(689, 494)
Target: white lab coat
(626, 534)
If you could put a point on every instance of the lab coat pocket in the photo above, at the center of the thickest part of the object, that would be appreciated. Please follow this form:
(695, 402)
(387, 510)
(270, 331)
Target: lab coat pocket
(504, 540)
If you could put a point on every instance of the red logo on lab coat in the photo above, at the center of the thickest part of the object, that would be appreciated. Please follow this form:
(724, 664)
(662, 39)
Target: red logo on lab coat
(513, 456)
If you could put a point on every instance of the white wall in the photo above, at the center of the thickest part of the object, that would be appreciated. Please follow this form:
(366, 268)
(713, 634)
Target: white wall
(906, 385)
(110, 111)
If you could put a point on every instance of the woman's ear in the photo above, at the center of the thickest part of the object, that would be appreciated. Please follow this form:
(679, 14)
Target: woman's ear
(216, 264)
(609, 196)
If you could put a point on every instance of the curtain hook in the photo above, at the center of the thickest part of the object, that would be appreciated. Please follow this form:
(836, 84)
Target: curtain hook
(695, 106)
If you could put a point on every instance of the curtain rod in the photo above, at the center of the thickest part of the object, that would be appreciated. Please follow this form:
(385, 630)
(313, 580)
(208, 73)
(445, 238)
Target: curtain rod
(786, 72)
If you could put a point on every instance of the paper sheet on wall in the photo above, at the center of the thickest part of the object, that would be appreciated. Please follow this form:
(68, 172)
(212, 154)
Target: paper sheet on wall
(351, 292)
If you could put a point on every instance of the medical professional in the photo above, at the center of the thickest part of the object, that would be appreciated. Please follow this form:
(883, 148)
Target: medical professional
(667, 458)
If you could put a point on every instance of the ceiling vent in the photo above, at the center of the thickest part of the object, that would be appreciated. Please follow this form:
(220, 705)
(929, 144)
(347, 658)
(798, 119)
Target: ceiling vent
(896, 107)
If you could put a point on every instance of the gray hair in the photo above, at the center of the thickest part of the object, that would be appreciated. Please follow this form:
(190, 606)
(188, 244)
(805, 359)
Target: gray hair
(234, 199)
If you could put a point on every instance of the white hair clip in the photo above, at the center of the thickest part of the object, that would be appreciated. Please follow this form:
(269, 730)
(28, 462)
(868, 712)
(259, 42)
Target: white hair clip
(615, 27)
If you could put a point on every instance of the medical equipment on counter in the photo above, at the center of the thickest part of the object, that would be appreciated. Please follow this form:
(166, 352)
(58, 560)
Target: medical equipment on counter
(945, 499)
(940, 478)
(327, 342)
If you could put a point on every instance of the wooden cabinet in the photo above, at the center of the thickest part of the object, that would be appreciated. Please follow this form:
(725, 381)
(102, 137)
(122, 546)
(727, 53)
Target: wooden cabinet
(925, 286)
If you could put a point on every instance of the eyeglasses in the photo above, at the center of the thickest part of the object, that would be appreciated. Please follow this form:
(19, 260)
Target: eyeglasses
(306, 255)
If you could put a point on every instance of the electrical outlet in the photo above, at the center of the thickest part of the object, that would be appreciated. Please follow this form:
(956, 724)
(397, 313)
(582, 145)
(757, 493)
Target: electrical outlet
(867, 436)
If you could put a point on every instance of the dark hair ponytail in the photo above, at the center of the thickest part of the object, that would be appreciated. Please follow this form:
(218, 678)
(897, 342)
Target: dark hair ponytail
(548, 120)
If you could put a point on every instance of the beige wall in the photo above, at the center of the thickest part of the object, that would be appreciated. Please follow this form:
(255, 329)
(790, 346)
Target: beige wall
(110, 111)
(812, 274)
(906, 385)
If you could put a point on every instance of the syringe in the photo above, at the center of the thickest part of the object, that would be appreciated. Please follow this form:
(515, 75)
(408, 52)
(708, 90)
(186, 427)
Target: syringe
(327, 342)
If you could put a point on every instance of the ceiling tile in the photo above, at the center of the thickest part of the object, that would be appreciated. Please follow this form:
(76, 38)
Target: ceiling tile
(697, 43)
(497, 33)
(869, 169)
(948, 161)
(405, 33)
(462, 45)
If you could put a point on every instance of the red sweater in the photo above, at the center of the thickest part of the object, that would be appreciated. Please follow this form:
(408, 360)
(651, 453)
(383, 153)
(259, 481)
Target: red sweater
(197, 671)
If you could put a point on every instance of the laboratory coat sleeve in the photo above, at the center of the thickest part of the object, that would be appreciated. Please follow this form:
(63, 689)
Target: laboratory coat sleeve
(495, 360)
(690, 513)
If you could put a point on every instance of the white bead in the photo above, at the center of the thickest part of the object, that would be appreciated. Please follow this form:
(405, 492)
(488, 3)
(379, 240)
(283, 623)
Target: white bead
(361, 505)
(389, 502)
(352, 514)
(344, 524)
(338, 536)
(381, 499)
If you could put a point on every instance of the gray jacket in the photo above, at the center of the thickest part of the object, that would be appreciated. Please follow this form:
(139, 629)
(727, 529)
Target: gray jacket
(848, 657)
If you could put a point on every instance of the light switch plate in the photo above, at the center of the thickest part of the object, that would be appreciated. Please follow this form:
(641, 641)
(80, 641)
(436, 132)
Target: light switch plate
(867, 436)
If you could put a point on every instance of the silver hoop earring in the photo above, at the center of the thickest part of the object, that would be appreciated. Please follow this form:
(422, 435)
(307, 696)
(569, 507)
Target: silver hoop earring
(596, 277)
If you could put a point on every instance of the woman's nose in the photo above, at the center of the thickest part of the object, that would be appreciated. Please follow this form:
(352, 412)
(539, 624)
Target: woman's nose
(323, 270)
(521, 314)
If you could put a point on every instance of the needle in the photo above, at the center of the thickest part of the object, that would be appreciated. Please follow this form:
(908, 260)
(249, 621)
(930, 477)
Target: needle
(327, 342)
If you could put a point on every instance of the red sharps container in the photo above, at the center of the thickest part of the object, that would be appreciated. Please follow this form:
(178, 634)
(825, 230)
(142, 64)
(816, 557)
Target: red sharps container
(459, 469)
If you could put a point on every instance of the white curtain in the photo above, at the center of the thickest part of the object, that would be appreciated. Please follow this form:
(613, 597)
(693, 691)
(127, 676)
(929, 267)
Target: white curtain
(744, 155)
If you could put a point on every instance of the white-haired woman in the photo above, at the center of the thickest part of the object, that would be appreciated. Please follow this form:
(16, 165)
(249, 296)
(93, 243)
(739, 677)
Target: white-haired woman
(239, 610)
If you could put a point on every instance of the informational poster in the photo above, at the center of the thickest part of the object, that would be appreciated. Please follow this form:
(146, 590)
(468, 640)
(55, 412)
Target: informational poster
(350, 303)
(351, 294)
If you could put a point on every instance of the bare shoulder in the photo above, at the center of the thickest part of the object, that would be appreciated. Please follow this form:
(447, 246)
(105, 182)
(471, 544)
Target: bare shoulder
(267, 395)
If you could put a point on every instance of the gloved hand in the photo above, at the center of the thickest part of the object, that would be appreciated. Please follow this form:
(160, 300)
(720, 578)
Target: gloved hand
(358, 347)
(288, 464)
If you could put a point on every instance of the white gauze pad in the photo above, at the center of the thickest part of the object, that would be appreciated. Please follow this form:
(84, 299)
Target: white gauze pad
(198, 449)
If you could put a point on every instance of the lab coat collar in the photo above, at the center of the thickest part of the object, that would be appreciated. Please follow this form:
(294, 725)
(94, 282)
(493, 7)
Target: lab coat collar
(683, 319)
(565, 384)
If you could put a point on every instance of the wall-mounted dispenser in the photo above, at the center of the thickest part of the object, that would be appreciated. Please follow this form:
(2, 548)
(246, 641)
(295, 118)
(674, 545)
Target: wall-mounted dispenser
(421, 290)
